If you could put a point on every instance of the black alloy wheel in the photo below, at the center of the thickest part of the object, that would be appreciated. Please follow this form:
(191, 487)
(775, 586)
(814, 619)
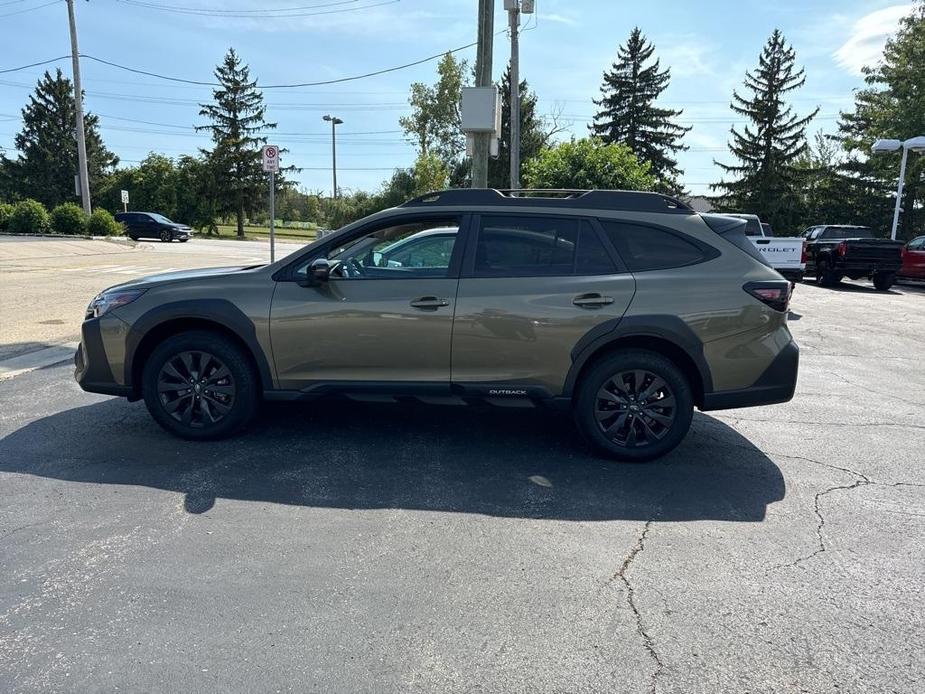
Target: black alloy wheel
(634, 405)
(635, 408)
(165, 236)
(196, 389)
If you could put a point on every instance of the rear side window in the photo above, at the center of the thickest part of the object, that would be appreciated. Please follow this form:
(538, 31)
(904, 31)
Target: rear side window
(511, 246)
(647, 248)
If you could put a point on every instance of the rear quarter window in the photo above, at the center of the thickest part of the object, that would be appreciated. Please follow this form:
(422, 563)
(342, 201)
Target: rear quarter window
(645, 248)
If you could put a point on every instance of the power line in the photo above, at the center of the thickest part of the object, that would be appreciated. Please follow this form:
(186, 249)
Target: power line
(186, 8)
(30, 9)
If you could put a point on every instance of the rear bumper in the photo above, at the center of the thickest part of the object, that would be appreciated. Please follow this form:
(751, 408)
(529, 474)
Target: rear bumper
(91, 366)
(777, 384)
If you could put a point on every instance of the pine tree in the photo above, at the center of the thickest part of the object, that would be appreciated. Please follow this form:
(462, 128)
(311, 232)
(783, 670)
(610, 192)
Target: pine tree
(768, 176)
(238, 118)
(533, 134)
(47, 145)
(891, 106)
(629, 115)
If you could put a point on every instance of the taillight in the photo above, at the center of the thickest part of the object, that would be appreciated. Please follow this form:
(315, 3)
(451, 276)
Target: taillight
(775, 295)
(804, 255)
(842, 248)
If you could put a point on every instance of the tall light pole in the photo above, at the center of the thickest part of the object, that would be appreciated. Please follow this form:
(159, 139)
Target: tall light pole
(915, 144)
(335, 121)
(79, 109)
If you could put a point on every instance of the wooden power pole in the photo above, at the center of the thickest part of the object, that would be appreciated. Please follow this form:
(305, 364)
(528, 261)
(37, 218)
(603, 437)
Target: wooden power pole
(482, 141)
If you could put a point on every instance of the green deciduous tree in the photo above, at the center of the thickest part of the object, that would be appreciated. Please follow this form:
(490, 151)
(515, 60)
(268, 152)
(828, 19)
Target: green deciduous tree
(891, 106)
(588, 163)
(238, 121)
(434, 125)
(629, 115)
(47, 145)
(767, 178)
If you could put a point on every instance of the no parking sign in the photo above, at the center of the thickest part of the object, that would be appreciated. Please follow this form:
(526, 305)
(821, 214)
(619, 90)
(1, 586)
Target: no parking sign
(271, 158)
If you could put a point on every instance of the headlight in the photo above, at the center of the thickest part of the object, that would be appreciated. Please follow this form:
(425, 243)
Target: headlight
(106, 301)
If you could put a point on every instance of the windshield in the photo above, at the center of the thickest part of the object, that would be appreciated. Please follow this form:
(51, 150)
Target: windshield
(161, 218)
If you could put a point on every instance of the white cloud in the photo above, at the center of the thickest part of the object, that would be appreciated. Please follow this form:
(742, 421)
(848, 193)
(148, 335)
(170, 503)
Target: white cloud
(869, 35)
(687, 55)
(558, 18)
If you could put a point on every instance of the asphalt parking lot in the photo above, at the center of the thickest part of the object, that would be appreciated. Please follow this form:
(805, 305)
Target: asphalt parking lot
(346, 547)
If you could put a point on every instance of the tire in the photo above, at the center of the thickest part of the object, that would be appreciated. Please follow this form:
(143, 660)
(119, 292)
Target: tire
(224, 400)
(826, 275)
(183, 240)
(166, 237)
(597, 396)
(884, 280)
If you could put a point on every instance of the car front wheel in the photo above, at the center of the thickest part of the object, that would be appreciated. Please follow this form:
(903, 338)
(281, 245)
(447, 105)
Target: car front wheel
(634, 406)
(200, 385)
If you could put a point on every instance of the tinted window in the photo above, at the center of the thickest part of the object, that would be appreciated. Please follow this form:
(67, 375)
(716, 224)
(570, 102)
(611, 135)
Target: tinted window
(847, 233)
(646, 248)
(917, 244)
(592, 258)
(525, 246)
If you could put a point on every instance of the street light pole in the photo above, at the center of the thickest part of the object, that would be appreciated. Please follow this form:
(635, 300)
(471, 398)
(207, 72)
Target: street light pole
(79, 109)
(899, 193)
(335, 121)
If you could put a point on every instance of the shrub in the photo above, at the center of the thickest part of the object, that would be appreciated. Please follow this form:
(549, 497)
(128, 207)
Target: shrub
(6, 211)
(69, 218)
(101, 223)
(28, 217)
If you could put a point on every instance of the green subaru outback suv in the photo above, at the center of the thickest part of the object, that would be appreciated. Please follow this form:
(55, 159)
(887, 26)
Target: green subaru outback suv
(629, 309)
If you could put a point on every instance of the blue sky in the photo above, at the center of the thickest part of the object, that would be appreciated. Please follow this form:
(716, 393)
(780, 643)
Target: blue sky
(565, 47)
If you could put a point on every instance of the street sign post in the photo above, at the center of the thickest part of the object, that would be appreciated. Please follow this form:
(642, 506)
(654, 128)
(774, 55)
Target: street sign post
(271, 166)
(124, 200)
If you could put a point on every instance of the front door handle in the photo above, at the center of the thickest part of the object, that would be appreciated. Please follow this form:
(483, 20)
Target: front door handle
(593, 300)
(429, 303)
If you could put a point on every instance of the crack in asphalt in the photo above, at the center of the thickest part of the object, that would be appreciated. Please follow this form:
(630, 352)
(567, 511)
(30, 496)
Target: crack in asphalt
(829, 424)
(892, 396)
(647, 640)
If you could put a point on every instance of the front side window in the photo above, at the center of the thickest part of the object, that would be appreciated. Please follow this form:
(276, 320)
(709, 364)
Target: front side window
(648, 248)
(409, 250)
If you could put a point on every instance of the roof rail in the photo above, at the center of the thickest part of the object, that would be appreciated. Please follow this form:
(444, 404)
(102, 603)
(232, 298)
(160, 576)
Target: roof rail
(628, 200)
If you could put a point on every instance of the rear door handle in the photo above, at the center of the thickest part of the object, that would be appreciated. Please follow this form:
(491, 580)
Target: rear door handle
(593, 300)
(431, 303)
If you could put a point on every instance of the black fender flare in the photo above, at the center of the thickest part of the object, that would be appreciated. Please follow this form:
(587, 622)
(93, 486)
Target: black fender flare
(220, 312)
(668, 328)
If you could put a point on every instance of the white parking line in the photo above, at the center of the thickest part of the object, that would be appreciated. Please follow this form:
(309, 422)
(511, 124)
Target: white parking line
(15, 366)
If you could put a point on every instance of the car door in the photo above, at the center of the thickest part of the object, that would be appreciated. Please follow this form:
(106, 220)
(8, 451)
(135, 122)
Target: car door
(375, 321)
(532, 286)
(914, 259)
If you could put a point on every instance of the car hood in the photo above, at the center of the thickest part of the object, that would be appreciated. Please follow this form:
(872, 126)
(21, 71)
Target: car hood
(181, 275)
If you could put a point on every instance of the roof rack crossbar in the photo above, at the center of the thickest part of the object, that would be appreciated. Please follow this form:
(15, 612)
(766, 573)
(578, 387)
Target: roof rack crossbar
(627, 200)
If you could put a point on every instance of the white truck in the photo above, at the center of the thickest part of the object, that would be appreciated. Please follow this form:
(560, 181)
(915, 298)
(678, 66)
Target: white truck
(786, 255)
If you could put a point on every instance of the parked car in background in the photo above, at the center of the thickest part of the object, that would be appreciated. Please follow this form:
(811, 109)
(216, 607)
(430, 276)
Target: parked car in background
(786, 255)
(835, 251)
(627, 309)
(150, 225)
(913, 255)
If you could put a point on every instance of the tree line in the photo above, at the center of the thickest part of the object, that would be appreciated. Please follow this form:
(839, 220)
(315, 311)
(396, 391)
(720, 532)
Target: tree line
(774, 169)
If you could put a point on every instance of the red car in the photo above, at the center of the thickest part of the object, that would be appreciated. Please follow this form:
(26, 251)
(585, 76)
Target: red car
(914, 260)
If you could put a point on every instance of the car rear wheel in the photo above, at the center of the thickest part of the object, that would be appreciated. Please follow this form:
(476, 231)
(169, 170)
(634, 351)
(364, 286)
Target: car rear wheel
(884, 280)
(634, 406)
(165, 236)
(200, 385)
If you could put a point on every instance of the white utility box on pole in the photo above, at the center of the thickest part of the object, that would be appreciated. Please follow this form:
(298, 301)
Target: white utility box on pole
(480, 113)
(271, 166)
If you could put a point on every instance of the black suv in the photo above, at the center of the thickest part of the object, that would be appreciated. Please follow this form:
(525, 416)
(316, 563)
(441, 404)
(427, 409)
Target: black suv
(150, 225)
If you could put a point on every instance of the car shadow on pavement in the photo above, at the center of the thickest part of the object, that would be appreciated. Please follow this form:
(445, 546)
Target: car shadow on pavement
(339, 454)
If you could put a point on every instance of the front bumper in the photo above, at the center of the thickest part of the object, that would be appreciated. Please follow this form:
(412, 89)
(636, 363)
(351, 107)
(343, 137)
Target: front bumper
(91, 365)
(777, 384)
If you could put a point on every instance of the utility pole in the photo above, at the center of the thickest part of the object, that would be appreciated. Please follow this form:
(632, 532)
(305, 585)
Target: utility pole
(482, 141)
(514, 17)
(335, 121)
(79, 108)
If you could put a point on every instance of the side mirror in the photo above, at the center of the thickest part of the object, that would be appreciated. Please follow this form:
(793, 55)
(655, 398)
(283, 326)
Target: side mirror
(319, 271)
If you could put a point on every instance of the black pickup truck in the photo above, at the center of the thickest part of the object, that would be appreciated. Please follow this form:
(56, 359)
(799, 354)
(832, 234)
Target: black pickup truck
(834, 251)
